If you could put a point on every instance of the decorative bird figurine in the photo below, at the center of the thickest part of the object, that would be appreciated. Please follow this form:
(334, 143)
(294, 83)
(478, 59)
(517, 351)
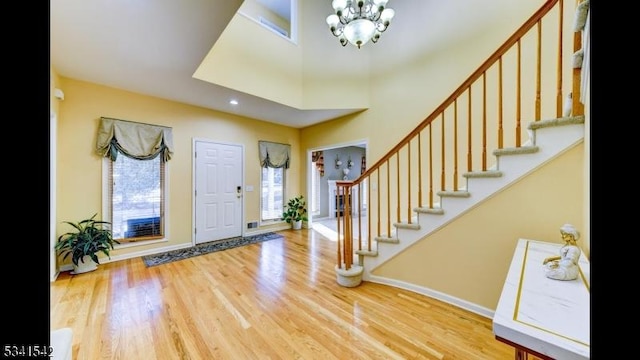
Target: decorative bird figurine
(568, 105)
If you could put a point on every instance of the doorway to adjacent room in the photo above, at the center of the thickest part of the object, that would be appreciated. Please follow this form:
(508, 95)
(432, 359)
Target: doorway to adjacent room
(326, 165)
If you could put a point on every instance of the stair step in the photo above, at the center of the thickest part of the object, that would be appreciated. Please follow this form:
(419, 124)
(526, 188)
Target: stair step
(516, 150)
(413, 226)
(389, 240)
(367, 252)
(427, 210)
(483, 174)
(571, 120)
(457, 194)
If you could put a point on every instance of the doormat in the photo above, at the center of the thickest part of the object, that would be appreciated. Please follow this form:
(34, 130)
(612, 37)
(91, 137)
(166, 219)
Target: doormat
(206, 248)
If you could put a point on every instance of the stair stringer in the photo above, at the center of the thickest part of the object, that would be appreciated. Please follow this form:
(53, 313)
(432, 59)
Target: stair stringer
(552, 137)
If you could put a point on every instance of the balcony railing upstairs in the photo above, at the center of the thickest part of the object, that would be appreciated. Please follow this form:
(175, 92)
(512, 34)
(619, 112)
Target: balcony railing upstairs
(484, 113)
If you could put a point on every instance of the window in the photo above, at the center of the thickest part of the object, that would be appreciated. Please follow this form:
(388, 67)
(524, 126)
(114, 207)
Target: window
(136, 198)
(135, 173)
(274, 160)
(272, 190)
(278, 16)
(273, 27)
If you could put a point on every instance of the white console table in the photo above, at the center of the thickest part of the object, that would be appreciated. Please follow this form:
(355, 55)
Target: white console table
(333, 192)
(547, 318)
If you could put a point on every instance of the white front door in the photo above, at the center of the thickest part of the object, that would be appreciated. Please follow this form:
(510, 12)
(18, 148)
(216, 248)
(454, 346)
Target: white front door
(218, 195)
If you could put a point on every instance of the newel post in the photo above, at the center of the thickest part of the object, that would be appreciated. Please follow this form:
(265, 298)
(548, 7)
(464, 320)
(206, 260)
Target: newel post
(348, 274)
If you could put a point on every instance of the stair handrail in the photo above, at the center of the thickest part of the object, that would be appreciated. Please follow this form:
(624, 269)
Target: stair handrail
(513, 39)
(345, 254)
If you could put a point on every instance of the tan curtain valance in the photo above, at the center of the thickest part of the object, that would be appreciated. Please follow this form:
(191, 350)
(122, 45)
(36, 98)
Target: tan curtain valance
(274, 155)
(135, 140)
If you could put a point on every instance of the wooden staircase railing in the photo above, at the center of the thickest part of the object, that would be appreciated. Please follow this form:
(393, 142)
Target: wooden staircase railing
(458, 133)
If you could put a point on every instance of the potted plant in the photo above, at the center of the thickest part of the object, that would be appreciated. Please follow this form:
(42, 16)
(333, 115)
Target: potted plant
(295, 212)
(89, 238)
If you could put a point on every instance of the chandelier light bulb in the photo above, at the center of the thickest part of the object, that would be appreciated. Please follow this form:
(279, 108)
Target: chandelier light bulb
(333, 20)
(387, 15)
(339, 5)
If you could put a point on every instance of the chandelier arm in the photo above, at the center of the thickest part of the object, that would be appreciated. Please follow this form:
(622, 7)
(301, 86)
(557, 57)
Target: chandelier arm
(376, 17)
(381, 26)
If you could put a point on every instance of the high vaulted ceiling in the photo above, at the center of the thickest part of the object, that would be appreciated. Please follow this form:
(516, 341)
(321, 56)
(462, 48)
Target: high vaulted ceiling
(153, 47)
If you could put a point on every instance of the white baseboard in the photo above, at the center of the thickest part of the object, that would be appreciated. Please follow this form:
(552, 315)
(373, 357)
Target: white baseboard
(463, 304)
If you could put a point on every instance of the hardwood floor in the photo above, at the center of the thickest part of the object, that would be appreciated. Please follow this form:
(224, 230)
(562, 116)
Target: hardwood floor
(273, 300)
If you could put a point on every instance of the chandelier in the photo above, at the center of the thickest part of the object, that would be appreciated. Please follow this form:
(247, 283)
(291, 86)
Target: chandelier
(359, 21)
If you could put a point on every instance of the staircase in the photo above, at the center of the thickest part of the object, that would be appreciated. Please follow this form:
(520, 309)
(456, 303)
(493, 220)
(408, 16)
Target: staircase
(442, 169)
(549, 139)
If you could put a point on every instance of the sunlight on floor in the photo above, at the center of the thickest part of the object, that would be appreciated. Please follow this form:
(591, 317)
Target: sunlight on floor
(326, 232)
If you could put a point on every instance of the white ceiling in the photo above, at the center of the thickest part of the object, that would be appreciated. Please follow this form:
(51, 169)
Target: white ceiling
(153, 47)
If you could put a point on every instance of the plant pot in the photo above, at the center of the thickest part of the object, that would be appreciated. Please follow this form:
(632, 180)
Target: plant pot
(86, 266)
(296, 225)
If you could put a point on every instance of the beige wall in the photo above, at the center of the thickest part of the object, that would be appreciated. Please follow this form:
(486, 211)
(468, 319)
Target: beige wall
(54, 80)
(470, 257)
(258, 62)
(79, 180)
(232, 62)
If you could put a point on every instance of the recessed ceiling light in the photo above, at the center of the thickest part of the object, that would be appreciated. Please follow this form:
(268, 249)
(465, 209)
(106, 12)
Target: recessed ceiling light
(233, 102)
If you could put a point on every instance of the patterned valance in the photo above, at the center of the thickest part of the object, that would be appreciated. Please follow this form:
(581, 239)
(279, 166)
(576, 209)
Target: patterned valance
(135, 140)
(274, 155)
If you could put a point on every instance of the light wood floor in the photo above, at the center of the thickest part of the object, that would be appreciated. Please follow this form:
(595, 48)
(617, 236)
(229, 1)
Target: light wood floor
(274, 300)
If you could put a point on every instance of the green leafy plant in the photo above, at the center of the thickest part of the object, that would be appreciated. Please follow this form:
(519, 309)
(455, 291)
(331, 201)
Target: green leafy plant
(295, 210)
(89, 238)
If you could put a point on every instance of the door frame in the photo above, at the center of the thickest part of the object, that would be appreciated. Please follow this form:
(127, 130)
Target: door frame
(360, 142)
(193, 184)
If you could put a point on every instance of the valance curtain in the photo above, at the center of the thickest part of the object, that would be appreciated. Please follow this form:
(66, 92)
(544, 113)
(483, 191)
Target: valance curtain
(135, 140)
(274, 155)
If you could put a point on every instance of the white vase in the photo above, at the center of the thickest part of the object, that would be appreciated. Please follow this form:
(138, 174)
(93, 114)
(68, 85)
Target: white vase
(86, 266)
(296, 225)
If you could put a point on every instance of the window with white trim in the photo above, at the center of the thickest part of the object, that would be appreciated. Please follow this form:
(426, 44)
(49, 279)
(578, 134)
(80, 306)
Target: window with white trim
(135, 173)
(271, 192)
(274, 160)
(136, 197)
